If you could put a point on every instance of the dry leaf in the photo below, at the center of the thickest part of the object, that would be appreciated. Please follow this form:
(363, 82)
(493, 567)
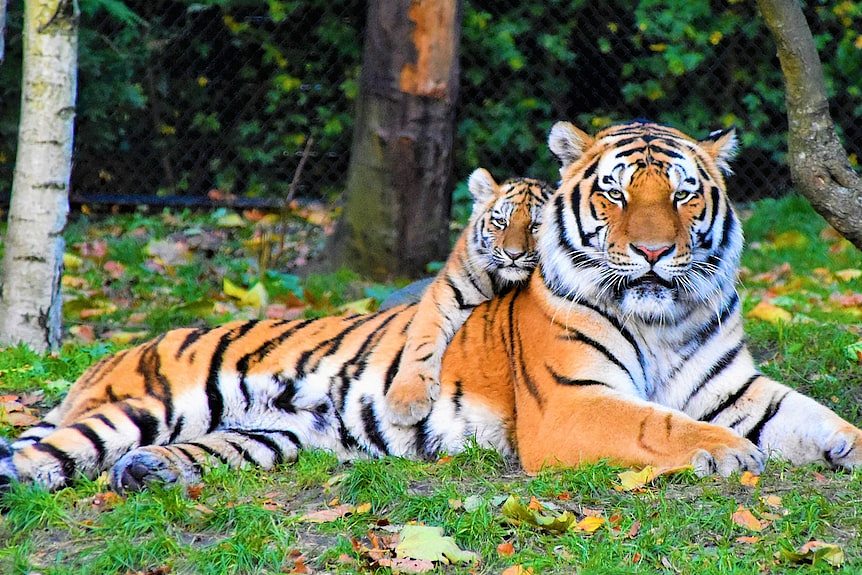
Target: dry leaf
(328, 515)
(748, 539)
(590, 524)
(429, 543)
(633, 530)
(362, 509)
(766, 311)
(745, 518)
(773, 501)
(404, 565)
(814, 552)
(506, 549)
(749, 479)
(517, 570)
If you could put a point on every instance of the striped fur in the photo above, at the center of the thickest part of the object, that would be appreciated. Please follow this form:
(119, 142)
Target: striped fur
(496, 251)
(625, 344)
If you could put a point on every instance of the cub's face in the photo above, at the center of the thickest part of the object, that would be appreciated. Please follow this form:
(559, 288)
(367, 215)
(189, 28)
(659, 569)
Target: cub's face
(504, 223)
(642, 221)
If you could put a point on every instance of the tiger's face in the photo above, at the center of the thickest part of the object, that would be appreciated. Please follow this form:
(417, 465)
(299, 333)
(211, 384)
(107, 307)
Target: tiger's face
(505, 220)
(641, 221)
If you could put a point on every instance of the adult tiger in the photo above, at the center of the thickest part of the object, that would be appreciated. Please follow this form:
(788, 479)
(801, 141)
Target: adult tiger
(496, 251)
(626, 344)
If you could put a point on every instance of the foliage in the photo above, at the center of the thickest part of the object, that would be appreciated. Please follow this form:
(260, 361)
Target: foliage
(180, 95)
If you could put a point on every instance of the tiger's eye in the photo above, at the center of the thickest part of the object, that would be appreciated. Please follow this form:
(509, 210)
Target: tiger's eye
(499, 222)
(615, 195)
(680, 195)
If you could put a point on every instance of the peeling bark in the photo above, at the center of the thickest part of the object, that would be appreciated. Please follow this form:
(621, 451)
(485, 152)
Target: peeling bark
(30, 302)
(399, 181)
(818, 162)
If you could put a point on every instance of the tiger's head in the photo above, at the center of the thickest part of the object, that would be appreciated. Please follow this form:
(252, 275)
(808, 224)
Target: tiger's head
(641, 221)
(504, 222)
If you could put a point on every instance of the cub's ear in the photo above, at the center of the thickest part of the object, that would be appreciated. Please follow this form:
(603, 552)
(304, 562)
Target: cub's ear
(722, 146)
(568, 143)
(482, 186)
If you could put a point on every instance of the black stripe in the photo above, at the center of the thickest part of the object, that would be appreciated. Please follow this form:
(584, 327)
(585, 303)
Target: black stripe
(104, 419)
(516, 356)
(754, 433)
(190, 456)
(422, 438)
(67, 463)
(265, 441)
(150, 368)
(716, 368)
(147, 424)
(457, 395)
(242, 366)
(92, 437)
(244, 452)
(729, 225)
(729, 400)
(214, 396)
(372, 425)
(574, 335)
(563, 380)
(333, 344)
(291, 436)
(620, 328)
(192, 337)
(178, 428)
(392, 370)
(459, 297)
(209, 451)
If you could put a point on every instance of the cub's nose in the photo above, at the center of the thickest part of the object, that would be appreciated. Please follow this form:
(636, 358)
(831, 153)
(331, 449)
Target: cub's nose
(652, 254)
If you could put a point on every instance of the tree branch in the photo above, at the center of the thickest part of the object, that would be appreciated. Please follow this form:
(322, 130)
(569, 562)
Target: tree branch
(818, 162)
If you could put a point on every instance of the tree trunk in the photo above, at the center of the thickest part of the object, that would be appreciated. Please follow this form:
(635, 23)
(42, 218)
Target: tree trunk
(2, 30)
(818, 162)
(30, 303)
(399, 182)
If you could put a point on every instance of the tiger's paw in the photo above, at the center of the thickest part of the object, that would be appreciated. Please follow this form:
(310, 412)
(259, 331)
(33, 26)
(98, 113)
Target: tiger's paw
(411, 396)
(726, 458)
(151, 464)
(8, 473)
(844, 448)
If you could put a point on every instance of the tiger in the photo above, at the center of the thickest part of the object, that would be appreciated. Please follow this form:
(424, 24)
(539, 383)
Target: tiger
(495, 251)
(625, 344)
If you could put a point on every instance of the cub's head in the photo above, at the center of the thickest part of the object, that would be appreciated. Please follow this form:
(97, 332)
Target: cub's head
(504, 222)
(641, 221)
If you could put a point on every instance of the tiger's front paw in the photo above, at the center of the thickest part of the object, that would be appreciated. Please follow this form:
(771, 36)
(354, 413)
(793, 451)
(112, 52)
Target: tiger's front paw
(411, 395)
(844, 448)
(735, 454)
(150, 464)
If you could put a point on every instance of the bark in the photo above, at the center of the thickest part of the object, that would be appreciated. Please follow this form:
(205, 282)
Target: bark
(2, 30)
(30, 303)
(400, 175)
(818, 162)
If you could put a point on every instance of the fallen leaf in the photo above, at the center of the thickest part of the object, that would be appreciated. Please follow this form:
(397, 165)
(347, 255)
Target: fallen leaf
(456, 504)
(633, 530)
(194, 491)
(328, 515)
(534, 504)
(472, 503)
(789, 239)
(255, 296)
(429, 543)
(748, 539)
(19, 419)
(773, 501)
(71, 261)
(516, 512)
(121, 337)
(506, 549)
(813, 552)
(849, 274)
(362, 509)
(745, 518)
(404, 565)
(84, 333)
(167, 252)
(115, 270)
(590, 524)
(749, 479)
(517, 570)
(360, 306)
(106, 500)
(766, 311)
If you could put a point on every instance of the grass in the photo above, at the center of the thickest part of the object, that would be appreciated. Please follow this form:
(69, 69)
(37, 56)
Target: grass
(249, 521)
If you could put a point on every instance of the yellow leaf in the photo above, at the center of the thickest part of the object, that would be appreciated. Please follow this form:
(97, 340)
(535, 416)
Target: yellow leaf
(517, 570)
(790, 239)
(231, 220)
(255, 297)
(123, 337)
(773, 501)
(359, 306)
(813, 552)
(590, 524)
(71, 261)
(745, 518)
(849, 274)
(631, 480)
(749, 479)
(363, 509)
(766, 311)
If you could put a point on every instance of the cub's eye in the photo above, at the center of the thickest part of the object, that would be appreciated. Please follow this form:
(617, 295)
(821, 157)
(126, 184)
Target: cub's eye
(681, 195)
(499, 222)
(614, 195)
(534, 227)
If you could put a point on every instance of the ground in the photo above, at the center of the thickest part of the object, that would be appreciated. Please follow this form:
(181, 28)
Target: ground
(130, 276)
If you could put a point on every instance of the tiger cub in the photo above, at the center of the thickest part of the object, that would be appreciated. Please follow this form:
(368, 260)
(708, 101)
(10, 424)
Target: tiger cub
(496, 250)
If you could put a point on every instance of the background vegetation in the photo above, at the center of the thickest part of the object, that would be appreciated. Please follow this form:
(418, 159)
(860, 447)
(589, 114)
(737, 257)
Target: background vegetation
(184, 96)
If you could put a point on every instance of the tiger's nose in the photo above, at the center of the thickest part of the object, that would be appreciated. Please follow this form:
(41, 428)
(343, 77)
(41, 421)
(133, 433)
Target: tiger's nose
(652, 254)
(513, 254)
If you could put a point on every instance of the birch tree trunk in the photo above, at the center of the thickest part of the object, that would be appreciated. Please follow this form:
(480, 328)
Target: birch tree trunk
(30, 304)
(818, 162)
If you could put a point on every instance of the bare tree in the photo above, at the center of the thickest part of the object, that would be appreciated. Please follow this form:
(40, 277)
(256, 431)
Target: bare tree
(399, 181)
(30, 304)
(818, 162)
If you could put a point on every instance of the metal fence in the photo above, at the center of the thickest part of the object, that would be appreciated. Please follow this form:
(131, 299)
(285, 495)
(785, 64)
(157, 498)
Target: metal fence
(178, 97)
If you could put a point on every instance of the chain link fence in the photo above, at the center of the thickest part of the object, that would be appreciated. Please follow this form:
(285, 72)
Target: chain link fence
(182, 98)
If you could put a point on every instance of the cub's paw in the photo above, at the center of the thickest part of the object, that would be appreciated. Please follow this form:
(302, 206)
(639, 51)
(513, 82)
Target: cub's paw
(411, 395)
(726, 458)
(8, 473)
(145, 465)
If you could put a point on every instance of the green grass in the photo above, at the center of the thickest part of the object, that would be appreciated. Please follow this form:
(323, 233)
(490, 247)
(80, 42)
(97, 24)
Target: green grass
(248, 521)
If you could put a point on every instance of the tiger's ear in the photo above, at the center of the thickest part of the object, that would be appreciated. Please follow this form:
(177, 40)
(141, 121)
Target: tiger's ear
(568, 143)
(482, 186)
(722, 146)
